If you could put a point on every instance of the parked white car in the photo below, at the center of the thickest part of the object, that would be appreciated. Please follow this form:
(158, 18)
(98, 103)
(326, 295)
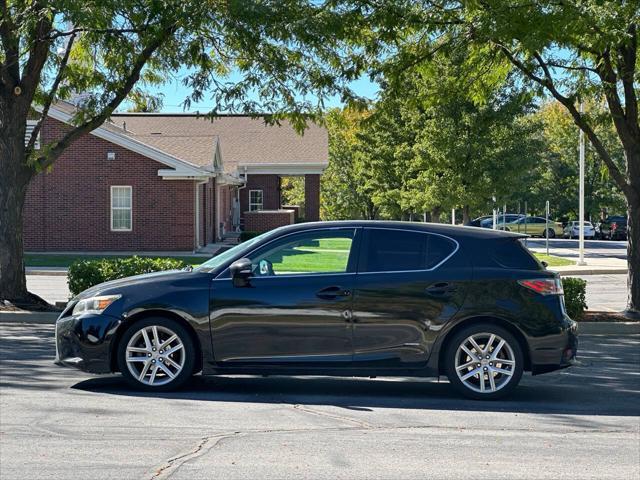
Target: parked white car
(572, 230)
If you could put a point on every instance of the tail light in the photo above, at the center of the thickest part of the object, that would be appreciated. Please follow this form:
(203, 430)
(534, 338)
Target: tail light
(614, 225)
(543, 286)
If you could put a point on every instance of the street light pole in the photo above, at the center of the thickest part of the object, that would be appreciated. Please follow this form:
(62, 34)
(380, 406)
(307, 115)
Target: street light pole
(581, 199)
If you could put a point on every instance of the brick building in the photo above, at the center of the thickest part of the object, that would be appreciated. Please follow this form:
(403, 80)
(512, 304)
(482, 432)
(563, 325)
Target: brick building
(154, 181)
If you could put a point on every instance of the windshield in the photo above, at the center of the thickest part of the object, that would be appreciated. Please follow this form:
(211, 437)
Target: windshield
(224, 257)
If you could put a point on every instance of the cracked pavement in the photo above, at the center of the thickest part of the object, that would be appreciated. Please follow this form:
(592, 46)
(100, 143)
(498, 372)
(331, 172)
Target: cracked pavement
(583, 422)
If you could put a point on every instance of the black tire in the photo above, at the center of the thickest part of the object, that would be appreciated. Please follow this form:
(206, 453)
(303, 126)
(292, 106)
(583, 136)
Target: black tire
(189, 352)
(552, 233)
(452, 350)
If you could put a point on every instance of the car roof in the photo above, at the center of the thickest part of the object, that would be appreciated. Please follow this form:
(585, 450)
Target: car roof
(456, 231)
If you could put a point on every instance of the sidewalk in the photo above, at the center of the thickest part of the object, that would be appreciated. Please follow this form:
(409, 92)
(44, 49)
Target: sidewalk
(595, 264)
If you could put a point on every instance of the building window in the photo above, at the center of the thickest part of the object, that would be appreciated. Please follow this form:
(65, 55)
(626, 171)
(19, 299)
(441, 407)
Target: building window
(121, 208)
(255, 200)
(31, 124)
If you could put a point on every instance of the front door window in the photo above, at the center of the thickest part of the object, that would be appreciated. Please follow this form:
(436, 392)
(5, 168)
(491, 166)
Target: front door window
(308, 253)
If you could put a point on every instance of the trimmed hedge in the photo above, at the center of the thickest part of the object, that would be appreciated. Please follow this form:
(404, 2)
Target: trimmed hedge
(575, 290)
(84, 274)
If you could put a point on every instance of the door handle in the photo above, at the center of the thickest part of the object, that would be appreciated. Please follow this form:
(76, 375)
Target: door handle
(440, 289)
(330, 293)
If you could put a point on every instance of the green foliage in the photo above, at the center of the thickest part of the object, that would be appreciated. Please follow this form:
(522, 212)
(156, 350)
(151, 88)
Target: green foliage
(292, 191)
(244, 236)
(348, 184)
(428, 146)
(84, 274)
(556, 175)
(575, 296)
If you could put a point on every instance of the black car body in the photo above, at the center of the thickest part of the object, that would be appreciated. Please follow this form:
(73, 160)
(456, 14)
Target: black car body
(399, 302)
(612, 228)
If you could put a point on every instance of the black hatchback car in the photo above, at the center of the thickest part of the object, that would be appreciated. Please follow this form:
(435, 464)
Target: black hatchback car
(350, 298)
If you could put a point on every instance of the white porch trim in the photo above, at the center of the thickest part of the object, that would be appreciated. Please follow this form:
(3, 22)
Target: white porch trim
(286, 169)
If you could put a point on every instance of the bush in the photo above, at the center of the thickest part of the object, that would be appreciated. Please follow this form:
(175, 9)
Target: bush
(574, 296)
(244, 236)
(84, 274)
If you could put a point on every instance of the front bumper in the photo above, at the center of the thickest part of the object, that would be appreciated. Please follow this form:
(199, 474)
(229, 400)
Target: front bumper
(85, 341)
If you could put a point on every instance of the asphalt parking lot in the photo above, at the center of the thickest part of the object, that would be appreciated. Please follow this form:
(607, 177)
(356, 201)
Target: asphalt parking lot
(582, 422)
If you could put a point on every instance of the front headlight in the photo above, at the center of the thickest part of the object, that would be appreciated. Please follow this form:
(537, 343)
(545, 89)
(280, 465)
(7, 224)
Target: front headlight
(94, 304)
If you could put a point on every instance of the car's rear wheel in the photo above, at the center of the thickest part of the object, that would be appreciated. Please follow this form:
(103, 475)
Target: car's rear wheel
(552, 233)
(484, 362)
(156, 354)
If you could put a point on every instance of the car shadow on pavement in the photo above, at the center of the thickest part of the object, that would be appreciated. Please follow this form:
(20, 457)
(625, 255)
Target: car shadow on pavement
(562, 393)
(605, 382)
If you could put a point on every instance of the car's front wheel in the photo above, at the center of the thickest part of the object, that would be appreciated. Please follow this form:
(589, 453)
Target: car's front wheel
(484, 362)
(156, 354)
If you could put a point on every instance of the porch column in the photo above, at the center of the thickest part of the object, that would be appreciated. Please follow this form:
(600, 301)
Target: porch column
(312, 197)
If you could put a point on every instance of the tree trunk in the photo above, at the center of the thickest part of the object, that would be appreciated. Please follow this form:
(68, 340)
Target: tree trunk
(14, 181)
(466, 218)
(633, 230)
(435, 214)
(633, 256)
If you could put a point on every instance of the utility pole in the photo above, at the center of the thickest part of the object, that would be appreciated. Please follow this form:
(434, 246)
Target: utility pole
(581, 199)
(453, 216)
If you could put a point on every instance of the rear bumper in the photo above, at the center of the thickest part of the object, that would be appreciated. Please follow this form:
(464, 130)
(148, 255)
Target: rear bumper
(561, 352)
(84, 342)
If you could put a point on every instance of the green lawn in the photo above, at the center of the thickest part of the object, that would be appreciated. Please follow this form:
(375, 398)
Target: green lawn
(324, 255)
(552, 260)
(64, 260)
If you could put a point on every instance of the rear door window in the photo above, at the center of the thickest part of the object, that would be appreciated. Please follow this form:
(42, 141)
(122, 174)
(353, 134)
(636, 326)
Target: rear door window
(387, 250)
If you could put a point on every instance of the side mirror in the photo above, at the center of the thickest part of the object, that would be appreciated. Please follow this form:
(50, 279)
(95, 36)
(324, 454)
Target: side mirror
(544, 264)
(241, 272)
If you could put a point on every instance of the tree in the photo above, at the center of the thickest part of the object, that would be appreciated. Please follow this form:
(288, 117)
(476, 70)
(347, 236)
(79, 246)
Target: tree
(346, 191)
(556, 175)
(568, 50)
(110, 50)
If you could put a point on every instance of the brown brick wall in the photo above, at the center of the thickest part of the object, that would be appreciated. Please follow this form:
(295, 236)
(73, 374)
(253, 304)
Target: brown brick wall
(68, 208)
(270, 186)
(312, 198)
(267, 220)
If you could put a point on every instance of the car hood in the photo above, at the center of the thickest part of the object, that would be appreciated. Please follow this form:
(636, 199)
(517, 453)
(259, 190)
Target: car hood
(113, 285)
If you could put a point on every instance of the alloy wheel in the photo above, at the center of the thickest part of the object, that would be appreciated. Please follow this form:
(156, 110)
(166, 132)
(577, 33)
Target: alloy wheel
(155, 355)
(485, 362)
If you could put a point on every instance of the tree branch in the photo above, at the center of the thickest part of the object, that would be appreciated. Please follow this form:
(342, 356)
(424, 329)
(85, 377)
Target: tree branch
(10, 68)
(578, 118)
(627, 61)
(38, 56)
(94, 122)
(74, 31)
(52, 93)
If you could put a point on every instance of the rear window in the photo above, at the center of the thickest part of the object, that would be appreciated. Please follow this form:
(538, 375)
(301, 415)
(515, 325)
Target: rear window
(511, 253)
(400, 250)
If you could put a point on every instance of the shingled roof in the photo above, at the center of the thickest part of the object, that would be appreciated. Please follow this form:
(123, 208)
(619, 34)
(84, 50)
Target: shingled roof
(242, 140)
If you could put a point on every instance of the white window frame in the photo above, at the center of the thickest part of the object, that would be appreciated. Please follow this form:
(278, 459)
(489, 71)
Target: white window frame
(130, 208)
(31, 124)
(256, 204)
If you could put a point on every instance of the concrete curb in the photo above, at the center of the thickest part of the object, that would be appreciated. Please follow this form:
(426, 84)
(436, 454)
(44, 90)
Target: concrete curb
(590, 271)
(608, 328)
(29, 317)
(40, 271)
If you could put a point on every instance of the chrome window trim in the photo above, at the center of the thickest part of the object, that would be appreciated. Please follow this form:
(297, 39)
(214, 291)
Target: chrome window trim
(457, 247)
(287, 235)
(455, 250)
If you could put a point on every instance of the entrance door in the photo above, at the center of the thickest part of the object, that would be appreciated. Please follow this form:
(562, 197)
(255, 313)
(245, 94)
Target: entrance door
(296, 310)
